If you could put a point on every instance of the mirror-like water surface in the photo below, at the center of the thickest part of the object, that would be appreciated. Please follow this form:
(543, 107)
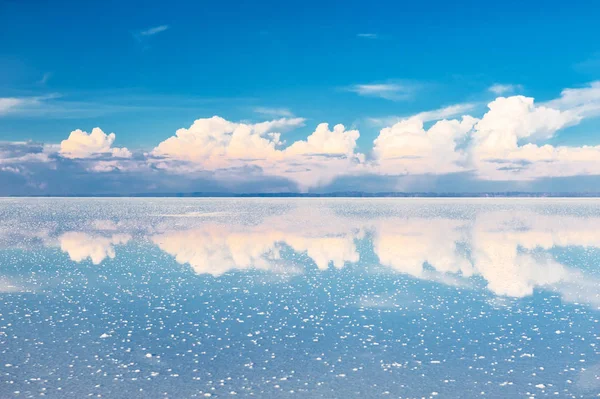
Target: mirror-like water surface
(311, 298)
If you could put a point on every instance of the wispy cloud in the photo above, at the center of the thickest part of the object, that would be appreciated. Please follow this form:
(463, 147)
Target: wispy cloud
(153, 31)
(13, 105)
(388, 91)
(426, 116)
(45, 78)
(90, 104)
(368, 35)
(589, 65)
(269, 111)
(446, 112)
(500, 89)
(9, 104)
(56, 107)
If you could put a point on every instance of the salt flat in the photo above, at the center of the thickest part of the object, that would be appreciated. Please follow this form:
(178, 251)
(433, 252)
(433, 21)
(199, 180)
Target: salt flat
(315, 298)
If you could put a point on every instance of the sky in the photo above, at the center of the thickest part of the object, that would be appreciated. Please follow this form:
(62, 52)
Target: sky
(102, 97)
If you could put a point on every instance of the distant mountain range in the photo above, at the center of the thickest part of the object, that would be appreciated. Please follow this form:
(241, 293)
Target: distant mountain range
(346, 194)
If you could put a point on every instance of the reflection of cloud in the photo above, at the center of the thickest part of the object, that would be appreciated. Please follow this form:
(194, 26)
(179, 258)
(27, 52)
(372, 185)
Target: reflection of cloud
(81, 246)
(513, 252)
(325, 250)
(216, 248)
(589, 379)
(509, 251)
(407, 244)
(502, 246)
(8, 286)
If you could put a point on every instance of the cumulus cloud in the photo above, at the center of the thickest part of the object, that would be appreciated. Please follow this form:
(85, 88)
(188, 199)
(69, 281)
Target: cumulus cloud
(508, 143)
(82, 145)
(505, 144)
(407, 148)
(505, 141)
(325, 155)
(214, 144)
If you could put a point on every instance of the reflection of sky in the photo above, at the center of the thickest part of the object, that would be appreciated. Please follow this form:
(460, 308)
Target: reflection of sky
(509, 250)
(393, 288)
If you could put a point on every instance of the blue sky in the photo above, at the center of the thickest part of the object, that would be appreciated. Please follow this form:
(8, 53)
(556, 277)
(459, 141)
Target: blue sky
(145, 69)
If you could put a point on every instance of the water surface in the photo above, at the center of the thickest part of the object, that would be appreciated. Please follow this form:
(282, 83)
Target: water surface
(311, 298)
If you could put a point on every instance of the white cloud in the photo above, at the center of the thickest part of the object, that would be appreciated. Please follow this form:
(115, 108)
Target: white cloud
(503, 145)
(214, 144)
(446, 112)
(426, 116)
(407, 148)
(153, 31)
(368, 35)
(584, 101)
(500, 89)
(56, 106)
(124, 165)
(8, 104)
(22, 105)
(514, 118)
(323, 141)
(507, 143)
(325, 155)
(388, 91)
(81, 145)
(274, 112)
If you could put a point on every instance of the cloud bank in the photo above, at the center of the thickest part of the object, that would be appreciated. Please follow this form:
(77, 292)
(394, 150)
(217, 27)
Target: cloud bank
(507, 143)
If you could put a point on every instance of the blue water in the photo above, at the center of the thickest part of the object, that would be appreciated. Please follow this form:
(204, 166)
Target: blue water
(309, 298)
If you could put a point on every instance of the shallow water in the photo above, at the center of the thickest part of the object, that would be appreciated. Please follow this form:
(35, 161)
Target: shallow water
(311, 298)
